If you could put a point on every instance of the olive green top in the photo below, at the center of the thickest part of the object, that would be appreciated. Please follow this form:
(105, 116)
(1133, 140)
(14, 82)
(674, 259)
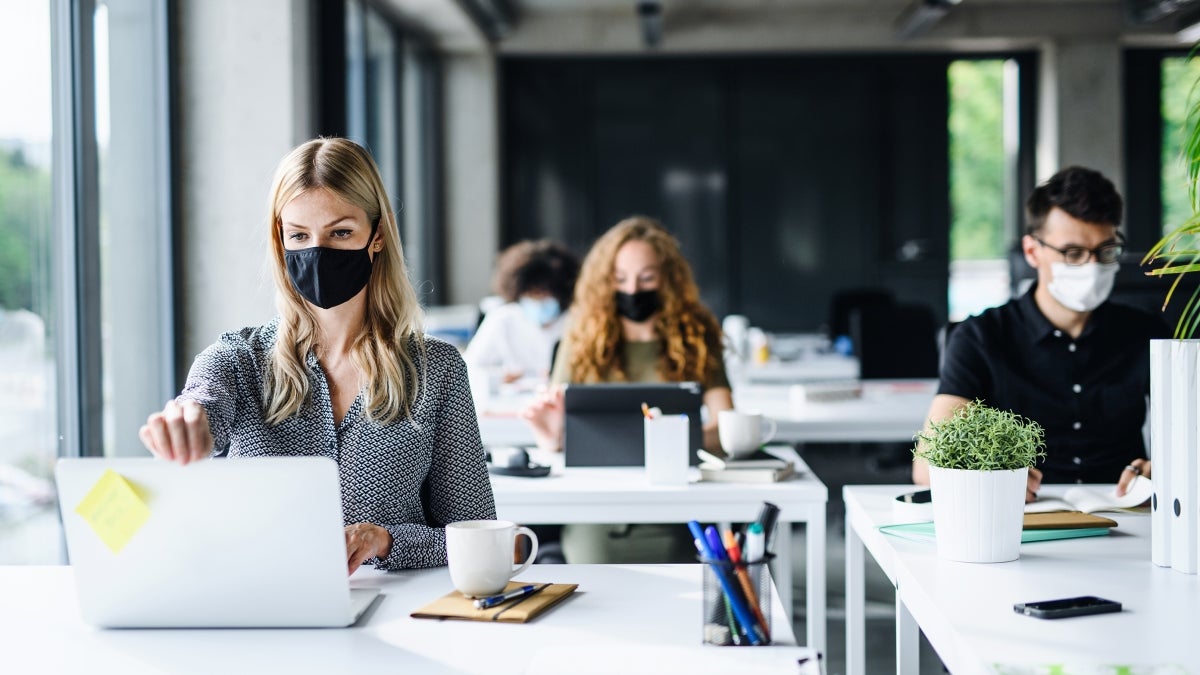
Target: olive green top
(640, 360)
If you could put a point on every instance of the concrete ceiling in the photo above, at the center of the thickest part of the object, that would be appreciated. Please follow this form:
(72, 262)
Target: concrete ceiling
(712, 26)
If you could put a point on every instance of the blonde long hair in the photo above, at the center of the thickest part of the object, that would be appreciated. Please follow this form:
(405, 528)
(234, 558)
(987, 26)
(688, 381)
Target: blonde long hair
(688, 332)
(393, 316)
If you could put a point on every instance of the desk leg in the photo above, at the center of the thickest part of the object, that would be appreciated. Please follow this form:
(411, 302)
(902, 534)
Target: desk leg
(814, 535)
(855, 603)
(782, 569)
(908, 640)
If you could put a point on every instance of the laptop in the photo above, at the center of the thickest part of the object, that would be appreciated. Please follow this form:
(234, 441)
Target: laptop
(230, 543)
(603, 425)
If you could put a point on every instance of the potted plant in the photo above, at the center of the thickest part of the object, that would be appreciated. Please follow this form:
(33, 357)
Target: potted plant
(1174, 374)
(979, 460)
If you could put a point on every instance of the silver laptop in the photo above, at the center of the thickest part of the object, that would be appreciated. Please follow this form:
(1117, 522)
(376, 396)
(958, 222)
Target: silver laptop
(222, 543)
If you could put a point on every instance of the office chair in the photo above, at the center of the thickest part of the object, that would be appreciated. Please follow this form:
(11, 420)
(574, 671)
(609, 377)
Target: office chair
(895, 342)
(846, 302)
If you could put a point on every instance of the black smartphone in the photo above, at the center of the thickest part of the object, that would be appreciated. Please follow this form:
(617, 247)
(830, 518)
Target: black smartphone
(1059, 609)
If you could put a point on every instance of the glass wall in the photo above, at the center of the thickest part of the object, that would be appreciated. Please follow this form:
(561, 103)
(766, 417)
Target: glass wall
(28, 368)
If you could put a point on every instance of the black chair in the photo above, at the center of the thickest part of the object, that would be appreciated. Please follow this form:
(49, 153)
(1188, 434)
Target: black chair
(895, 342)
(846, 302)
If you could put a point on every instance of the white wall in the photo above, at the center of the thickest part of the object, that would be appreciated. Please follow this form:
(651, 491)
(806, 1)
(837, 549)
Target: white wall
(242, 79)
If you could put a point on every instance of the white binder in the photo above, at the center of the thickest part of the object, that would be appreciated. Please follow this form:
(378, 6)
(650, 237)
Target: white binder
(1183, 469)
(1161, 408)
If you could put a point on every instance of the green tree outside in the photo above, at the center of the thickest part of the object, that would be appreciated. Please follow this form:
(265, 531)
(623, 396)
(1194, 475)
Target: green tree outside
(976, 127)
(24, 215)
(1179, 77)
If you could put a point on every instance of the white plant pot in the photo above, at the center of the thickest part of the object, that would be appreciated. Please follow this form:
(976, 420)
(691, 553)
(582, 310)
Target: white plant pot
(977, 515)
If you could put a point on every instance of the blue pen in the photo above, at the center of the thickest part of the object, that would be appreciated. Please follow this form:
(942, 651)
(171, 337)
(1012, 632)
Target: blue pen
(492, 601)
(716, 552)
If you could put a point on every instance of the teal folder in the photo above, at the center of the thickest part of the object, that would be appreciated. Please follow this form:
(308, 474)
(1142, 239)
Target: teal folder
(923, 532)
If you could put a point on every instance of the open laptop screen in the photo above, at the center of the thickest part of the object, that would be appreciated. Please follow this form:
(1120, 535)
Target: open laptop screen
(604, 421)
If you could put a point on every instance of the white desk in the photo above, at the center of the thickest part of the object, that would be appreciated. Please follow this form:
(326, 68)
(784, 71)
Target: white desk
(965, 609)
(815, 368)
(622, 495)
(619, 614)
(887, 411)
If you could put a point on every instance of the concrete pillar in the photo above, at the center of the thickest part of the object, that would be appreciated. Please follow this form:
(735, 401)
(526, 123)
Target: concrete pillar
(243, 103)
(1080, 107)
(472, 171)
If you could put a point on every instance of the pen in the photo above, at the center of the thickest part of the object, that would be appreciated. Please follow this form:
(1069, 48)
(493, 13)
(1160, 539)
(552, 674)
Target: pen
(756, 546)
(735, 556)
(492, 601)
(767, 517)
(712, 543)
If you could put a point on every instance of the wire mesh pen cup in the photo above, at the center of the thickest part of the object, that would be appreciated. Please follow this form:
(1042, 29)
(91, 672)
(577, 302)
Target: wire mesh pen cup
(726, 620)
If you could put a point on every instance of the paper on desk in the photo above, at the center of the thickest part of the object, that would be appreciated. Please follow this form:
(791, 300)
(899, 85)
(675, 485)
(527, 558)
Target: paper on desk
(698, 660)
(1090, 500)
(114, 510)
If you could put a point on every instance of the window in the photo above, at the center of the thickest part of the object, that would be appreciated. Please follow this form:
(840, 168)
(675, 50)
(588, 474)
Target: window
(1178, 95)
(85, 283)
(28, 365)
(983, 153)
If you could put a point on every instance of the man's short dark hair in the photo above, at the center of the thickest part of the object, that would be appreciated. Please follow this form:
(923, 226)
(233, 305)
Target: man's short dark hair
(542, 265)
(1083, 193)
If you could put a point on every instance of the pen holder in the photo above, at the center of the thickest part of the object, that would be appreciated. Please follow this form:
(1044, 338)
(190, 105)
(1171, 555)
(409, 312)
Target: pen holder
(723, 622)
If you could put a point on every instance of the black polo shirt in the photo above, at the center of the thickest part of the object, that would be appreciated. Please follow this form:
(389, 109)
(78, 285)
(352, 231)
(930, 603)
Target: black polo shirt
(1089, 393)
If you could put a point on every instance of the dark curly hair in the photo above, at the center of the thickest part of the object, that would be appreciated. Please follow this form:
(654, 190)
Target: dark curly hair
(542, 265)
(1083, 193)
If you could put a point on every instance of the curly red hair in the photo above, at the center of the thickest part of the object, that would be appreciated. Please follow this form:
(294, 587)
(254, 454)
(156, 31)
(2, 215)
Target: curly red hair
(688, 331)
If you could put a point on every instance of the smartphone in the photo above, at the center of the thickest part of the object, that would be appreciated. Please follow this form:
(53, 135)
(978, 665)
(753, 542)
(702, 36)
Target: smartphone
(1059, 609)
(918, 497)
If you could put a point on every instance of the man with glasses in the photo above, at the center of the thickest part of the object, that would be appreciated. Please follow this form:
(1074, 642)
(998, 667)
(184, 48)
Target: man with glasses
(1061, 354)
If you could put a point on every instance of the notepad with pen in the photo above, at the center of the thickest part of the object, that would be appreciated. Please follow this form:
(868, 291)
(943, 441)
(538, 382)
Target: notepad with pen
(455, 605)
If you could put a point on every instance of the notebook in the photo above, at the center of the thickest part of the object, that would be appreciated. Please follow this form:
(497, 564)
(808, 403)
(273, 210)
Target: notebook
(455, 605)
(603, 425)
(255, 542)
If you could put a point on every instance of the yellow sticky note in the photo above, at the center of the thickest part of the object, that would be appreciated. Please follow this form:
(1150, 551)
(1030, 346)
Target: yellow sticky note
(114, 510)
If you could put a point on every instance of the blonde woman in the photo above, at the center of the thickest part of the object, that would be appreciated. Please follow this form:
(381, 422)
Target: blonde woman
(343, 372)
(636, 317)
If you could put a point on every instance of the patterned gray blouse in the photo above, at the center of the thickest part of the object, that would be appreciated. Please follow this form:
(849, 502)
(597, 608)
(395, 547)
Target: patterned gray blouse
(411, 477)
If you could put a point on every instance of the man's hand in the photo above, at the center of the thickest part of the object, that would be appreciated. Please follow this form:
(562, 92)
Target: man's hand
(1033, 484)
(1138, 467)
(363, 541)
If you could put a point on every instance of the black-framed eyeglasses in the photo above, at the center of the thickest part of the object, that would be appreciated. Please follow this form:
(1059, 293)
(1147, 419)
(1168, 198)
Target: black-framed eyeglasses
(1077, 255)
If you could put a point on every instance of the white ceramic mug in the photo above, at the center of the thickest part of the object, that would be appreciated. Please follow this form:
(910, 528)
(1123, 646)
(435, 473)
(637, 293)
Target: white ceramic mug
(741, 433)
(480, 554)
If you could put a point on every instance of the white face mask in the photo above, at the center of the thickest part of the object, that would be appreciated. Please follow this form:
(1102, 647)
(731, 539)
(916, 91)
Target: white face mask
(1082, 287)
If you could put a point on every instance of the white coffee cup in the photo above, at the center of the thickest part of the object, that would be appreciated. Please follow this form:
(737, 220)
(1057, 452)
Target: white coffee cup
(741, 433)
(480, 554)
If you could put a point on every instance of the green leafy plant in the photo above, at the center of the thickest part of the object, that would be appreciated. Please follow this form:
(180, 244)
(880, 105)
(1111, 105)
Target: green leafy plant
(1178, 253)
(978, 437)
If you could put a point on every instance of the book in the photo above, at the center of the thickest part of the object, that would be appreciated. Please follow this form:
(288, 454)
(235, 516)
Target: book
(923, 532)
(455, 605)
(750, 471)
(1091, 500)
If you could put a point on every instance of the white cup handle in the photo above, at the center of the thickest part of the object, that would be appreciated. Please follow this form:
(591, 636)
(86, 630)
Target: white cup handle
(533, 550)
(770, 434)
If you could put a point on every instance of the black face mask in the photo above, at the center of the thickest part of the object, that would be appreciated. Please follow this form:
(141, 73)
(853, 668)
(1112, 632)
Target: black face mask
(327, 277)
(637, 307)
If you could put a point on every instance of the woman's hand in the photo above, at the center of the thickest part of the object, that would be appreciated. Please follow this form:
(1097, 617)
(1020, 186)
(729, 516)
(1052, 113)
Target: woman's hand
(363, 541)
(545, 416)
(1138, 467)
(179, 433)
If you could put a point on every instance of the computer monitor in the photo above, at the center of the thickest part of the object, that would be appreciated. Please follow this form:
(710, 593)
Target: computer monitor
(604, 421)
